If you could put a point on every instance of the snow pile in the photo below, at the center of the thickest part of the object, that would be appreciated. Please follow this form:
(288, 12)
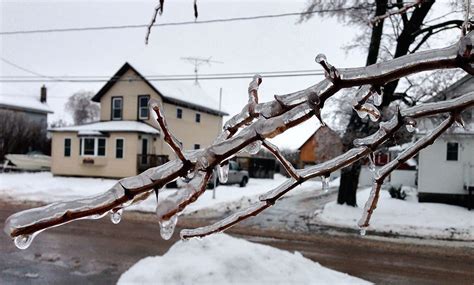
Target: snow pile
(44, 187)
(221, 259)
(405, 217)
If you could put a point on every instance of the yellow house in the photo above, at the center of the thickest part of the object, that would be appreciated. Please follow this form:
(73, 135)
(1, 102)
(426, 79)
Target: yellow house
(125, 141)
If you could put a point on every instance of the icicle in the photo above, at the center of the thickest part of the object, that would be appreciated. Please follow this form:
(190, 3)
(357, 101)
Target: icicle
(325, 183)
(410, 124)
(372, 162)
(362, 231)
(460, 123)
(167, 227)
(223, 172)
(116, 216)
(253, 147)
(378, 97)
(23, 241)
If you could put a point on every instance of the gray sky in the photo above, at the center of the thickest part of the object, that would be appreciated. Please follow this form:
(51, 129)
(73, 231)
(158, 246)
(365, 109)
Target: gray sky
(253, 46)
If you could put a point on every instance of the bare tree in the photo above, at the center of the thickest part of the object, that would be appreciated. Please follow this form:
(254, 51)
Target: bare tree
(82, 108)
(250, 129)
(20, 134)
(390, 29)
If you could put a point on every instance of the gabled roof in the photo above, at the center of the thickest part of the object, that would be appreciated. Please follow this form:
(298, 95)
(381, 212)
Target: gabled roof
(315, 132)
(177, 93)
(109, 126)
(458, 88)
(24, 103)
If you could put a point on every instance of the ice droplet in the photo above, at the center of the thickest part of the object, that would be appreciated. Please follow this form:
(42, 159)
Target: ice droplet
(223, 172)
(23, 241)
(116, 216)
(325, 183)
(167, 227)
(320, 58)
(372, 162)
(253, 147)
(378, 97)
(361, 113)
(363, 231)
(410, 128)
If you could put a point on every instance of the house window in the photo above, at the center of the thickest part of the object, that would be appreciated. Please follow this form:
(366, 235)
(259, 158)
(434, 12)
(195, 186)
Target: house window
(143, 107)
(117, 107)
(67, 147)
(93, 146)
(198, 118)
(179, 113)
(197, 146)
(101, 147)
(119, 148)
(452, 151)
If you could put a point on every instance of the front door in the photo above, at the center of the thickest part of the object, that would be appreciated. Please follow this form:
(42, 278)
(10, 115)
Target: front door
(144, 151)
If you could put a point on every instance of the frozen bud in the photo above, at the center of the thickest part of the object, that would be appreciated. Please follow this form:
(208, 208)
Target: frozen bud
(321, 58)
(410, 124)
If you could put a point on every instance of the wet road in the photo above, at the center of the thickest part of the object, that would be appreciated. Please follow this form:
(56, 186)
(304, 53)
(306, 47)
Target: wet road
(97, 252)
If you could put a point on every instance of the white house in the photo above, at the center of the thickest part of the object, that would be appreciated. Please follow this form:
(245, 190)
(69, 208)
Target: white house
(446, 168)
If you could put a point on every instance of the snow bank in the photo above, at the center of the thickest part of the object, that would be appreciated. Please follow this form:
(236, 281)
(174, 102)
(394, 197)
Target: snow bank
(221, 259)
(44, 187)
(405, 217)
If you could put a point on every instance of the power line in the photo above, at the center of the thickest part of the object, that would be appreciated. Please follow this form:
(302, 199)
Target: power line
(318, 73)
(137, 26)
(170, 75)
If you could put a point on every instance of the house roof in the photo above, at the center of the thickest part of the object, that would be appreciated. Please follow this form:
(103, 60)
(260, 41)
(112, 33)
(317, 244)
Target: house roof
(178, 93)
(109, 126)
(24, 103)
(458, 88)
(313, 134)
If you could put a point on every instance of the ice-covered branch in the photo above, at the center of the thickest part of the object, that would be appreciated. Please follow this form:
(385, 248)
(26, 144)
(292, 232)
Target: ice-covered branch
(172, 141)
(258, 121)
(376, 20)
(364, 147)
(286, 164)
(158, 9)
(382, 173)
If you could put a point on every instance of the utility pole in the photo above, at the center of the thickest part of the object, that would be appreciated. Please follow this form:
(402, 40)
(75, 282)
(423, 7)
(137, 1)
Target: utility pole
(198, 61)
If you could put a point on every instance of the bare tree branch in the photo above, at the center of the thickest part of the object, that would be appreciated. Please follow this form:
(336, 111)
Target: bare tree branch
(259, 121)
(364, 147)
(400, 11)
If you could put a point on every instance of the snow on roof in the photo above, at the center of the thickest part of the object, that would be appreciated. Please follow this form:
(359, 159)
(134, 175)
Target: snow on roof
(27, 103)
(185, 92)
(109, 126)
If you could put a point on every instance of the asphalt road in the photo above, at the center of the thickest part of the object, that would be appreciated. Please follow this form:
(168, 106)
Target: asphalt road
(97, 252)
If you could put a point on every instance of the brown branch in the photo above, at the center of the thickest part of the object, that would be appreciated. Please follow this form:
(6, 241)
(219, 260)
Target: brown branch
(404, 9)
(172, 141)
(158, 9)
(381, 174)
(273, 118)
(365, 147)
(286, 164)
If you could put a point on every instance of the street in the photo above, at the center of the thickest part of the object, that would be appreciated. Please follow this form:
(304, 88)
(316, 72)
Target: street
(92, 252)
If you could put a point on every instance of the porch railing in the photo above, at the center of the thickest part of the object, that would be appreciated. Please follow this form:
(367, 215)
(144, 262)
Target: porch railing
(145, 161)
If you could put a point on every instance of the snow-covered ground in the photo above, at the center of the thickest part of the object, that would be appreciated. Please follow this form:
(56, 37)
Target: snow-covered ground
(222, 259)
(44, 187)
(405, 217)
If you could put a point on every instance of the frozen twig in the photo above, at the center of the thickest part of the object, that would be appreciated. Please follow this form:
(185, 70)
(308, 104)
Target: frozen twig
(286, 164)
(382, 173)
(172, 141)
(158, 9)
(376, 20)
(365, 147)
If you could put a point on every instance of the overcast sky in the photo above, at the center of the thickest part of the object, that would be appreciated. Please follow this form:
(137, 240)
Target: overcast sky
(251, 46)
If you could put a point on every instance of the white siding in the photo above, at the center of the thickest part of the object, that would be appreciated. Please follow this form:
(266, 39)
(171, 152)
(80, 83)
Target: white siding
(438, 175)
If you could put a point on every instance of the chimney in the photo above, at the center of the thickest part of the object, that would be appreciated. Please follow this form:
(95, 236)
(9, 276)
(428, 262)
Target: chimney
(43, 94)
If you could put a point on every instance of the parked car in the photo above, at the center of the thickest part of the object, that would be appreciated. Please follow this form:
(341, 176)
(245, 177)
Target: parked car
(236, 176)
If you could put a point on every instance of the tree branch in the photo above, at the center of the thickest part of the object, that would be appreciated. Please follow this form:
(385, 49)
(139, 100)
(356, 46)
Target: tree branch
(265, 121)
